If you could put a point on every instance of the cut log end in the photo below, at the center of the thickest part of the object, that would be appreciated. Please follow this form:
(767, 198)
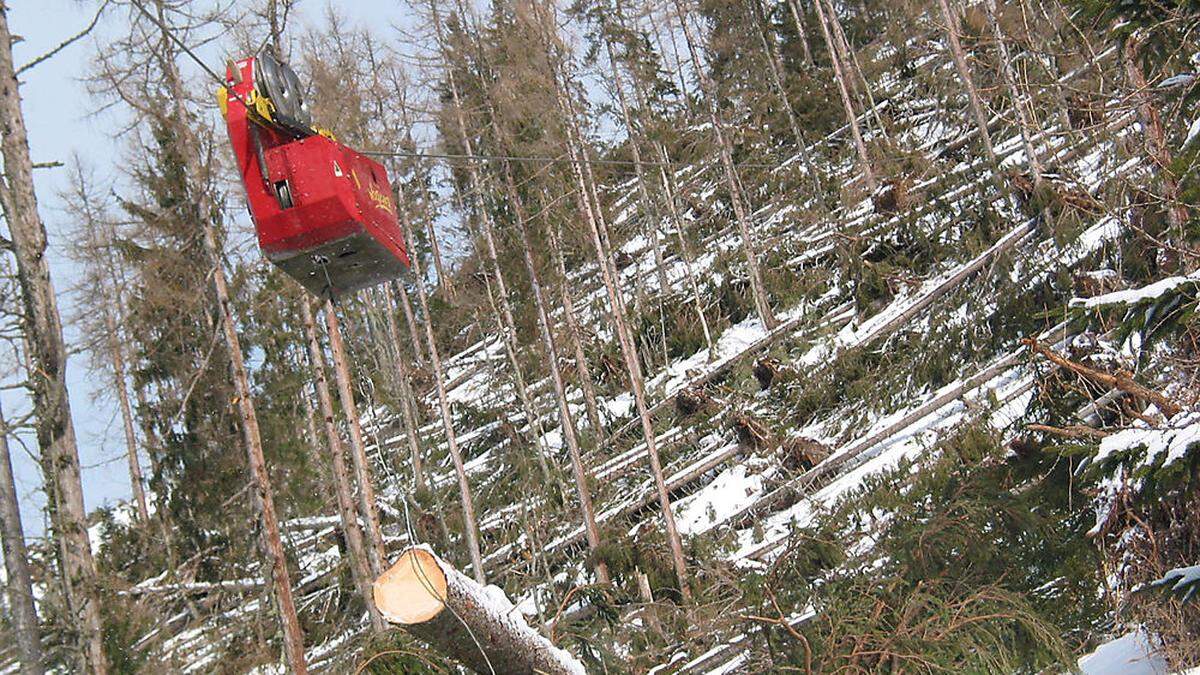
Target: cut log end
(413, 590)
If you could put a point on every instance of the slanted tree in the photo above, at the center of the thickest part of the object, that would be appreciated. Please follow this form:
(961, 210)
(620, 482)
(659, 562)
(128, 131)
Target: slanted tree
(732, 182)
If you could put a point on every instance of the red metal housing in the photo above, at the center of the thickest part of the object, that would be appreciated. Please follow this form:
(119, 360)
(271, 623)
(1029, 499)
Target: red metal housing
(323, 212)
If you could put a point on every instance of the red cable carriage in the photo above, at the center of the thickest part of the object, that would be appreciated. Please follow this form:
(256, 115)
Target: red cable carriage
(324, 213)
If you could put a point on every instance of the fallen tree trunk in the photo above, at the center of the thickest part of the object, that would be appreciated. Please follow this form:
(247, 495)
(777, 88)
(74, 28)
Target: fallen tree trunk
(463, 620)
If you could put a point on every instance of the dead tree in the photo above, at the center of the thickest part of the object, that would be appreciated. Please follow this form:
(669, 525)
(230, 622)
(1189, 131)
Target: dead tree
(470, 524)
(950, 16)
(839, 75)
(340, 477)
(733, 182)
(186, 146)
(588, 204)
(18, 587)
(54, 427)
(369, 512)
(1019, 103)
(582, 478)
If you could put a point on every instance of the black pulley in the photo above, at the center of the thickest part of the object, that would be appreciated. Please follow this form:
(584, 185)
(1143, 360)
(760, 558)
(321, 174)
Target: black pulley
(279, 83)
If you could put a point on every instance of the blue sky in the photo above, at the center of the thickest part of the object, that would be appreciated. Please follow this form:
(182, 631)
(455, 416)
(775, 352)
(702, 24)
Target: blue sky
(61, 122)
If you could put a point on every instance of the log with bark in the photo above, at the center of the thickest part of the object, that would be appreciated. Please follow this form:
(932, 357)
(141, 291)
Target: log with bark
(460, 618)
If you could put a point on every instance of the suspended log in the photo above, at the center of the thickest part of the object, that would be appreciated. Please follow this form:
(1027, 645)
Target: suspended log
(463, 620)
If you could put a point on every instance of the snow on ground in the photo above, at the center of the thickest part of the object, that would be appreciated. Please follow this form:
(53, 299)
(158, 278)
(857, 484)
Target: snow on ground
(718, 500)
(1130, 654)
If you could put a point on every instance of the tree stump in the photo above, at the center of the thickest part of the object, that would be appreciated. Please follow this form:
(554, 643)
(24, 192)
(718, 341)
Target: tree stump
(751, 432)
(692, 400)
(769, 371)
(802, 453)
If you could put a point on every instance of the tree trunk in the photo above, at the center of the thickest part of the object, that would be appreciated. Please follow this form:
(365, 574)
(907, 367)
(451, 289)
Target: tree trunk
(407, 403)
(342, 486)
(1017, 95)
(1155, 140)
(368, 510)
(186, 146)
(582, 481)
(664, 164)
(586, 381)
(18, 588)
(850, 60)
(411, 320)
(48, 376)
(470, 524)
(461, 619)
(650, 220)
(131, 448)
(508, 325)
(775, 63)
(733, 182)
(851, 116)
(586, 197)
(801, 33)
(964, 73)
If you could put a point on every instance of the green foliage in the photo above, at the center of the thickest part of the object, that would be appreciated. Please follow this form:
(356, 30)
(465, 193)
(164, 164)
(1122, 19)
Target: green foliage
(976, 563)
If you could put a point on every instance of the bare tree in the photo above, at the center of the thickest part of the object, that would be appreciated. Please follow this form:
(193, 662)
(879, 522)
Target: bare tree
(732, 181)
(470, 524)
(186, 145)
(360, 567)
(55, 428)
(839, 74)
(18, 587)
(358, 452)
(589, 206)
(950, 16)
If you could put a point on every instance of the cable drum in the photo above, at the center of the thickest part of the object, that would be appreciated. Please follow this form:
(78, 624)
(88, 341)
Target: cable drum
(279, 83)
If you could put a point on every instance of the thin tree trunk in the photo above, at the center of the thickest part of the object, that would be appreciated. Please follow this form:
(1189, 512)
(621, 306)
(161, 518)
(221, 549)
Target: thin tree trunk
(850, 60)
(585, 195)
(367, 507)
(733, 182)
(293, 637)
(801, 33)
(411, 424)
(47, 352)
(775, 63)
(486, 226)
(411, 321)
(651, 221)
(582, 481)
(1155, 140)
(131, 449)
(664, 163)
(532, 418)
(470, 524)
(1018, 97)
(586, 381)
(851, 116)
(18, 587)
(342, 485)
(685, 250)
(964, 73)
